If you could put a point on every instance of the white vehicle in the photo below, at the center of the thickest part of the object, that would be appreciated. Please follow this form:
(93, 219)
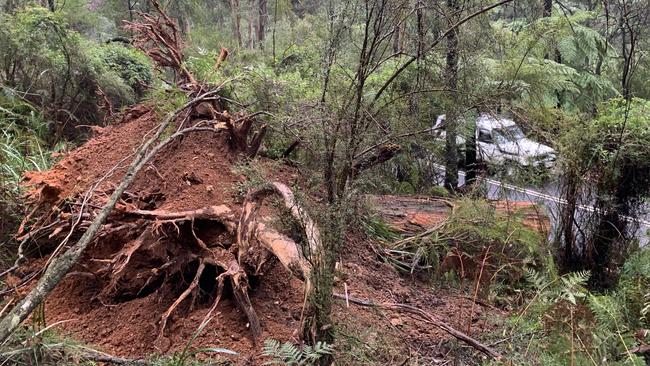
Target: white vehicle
(501, 141)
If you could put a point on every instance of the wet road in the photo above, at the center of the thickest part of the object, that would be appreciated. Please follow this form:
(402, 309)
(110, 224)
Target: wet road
(546, 195)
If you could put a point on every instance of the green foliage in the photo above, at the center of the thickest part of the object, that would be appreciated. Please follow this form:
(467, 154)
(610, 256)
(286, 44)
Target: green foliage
(552, 61)
(129, 64)
(550, 289)
(255, 175)
(613, 151)
(370, 346)
(620, 136)
(22, 148)
(291, 355)
(570, 323)
(39, 345)
(60, 72)
(633, 290)
(378, 230)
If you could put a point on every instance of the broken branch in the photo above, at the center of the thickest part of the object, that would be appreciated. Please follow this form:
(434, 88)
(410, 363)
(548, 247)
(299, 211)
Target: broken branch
(429, 318)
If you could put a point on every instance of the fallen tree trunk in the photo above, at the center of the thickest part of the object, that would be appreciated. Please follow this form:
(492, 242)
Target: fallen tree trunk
(383, 154)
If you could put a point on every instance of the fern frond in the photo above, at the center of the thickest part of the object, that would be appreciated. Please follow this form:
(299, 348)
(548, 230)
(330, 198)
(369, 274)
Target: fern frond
(290, 354)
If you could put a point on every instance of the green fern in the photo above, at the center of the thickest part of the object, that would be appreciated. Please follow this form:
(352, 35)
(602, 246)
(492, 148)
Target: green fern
(569, 287)
(291, 355)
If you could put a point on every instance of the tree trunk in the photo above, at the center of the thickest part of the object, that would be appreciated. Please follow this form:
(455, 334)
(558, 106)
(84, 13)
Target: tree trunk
(420, 27)
(470, 157)
(236, 21)
(568, 260)
(548, 8)
(129, 6)
(381, 155)
(627, 54)
(251, 30)
(262, 19)
(275, 23)
(451, 73)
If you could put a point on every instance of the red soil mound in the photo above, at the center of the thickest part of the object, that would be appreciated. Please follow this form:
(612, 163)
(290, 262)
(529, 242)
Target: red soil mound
(188, 174)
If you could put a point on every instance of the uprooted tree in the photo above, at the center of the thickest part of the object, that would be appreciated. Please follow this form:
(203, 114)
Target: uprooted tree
(159, 233)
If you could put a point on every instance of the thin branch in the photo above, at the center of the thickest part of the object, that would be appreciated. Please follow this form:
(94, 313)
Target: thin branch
(435, 43)
(428, 318)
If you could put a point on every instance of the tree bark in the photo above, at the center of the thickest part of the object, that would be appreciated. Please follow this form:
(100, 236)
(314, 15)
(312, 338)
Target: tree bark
(383, 154)
(251, 30)
(236, 21)
(262, 20)
(470, 157)
(451, 73)
(548, 8)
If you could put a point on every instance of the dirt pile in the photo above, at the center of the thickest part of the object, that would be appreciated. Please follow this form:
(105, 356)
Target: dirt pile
(148, 259)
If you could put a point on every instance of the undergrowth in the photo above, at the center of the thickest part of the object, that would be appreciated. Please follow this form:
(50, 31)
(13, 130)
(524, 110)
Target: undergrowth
(38, 344)
(22, 148)
(477, 243)
(291, 355)
(372, 346)
(255, 175)
(564, 323)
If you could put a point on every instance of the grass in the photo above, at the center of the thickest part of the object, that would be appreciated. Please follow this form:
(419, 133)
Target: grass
(369, 346)
(22, 148)
(38, 344)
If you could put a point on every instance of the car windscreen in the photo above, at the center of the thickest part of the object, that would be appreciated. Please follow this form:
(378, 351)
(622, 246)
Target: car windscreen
(508, 134)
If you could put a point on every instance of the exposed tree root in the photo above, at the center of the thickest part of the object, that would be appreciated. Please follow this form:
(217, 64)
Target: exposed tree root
(250, 235)
(193, 285)
(165, 243)
(221, 213)
(240, 290)
(285, 249)
(122, 258)
(62, 264)
(248, 221)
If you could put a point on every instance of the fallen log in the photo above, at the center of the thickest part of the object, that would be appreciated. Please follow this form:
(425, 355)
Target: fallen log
(383, 154)
(429, 318)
